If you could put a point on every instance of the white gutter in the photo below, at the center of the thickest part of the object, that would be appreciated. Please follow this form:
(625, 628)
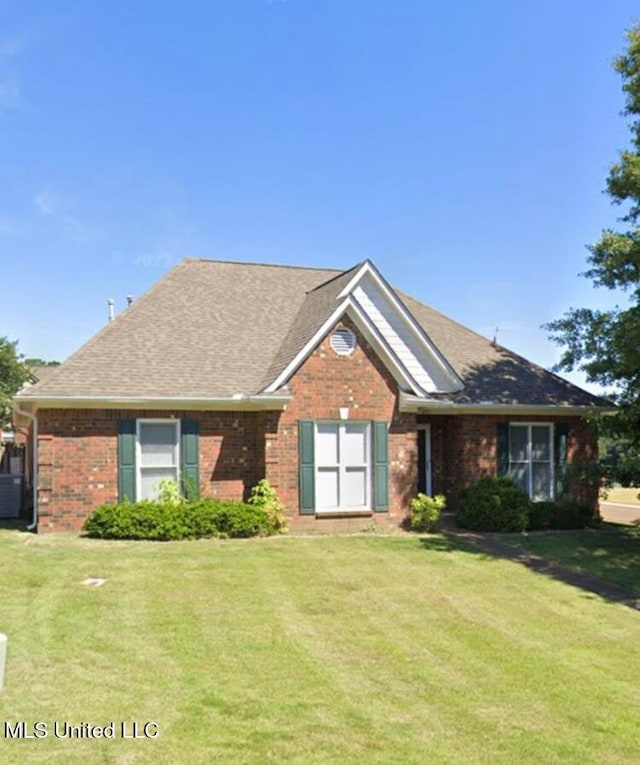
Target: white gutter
(410, 403)
(34, 476)
(238, 401)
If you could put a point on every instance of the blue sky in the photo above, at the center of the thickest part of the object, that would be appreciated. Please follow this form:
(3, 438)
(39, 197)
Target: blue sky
(463, 147)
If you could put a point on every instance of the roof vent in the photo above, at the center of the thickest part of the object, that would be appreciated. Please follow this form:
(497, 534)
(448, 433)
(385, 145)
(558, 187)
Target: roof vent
(343, 342)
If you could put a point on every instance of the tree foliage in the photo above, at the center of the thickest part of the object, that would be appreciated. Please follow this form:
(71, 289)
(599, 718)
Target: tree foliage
(605, 344)
(35, 361)
(13, 375)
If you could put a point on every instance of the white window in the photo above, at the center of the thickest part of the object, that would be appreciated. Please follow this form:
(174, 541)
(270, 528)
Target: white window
(158, 455)
(531, 459)
(342, 465)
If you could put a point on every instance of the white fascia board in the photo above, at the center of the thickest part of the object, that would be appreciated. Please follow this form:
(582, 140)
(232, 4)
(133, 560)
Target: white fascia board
(409, 403)
(369, 268)
(364, 268)
(228, 403)
(301, 356)
(382, 348)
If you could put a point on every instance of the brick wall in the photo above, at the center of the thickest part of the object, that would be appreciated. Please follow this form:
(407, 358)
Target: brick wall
(323, 384)
(78, 458)
(464, 449)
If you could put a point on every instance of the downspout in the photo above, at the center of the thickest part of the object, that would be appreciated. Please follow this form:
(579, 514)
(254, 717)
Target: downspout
(34, 475)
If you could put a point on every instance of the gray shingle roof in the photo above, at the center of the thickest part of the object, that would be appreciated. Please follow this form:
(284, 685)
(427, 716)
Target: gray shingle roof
(316, 308)
(218, 328)
(494, 374)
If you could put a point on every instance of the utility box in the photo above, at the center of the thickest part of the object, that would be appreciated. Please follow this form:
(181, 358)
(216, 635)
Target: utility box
(10, 495)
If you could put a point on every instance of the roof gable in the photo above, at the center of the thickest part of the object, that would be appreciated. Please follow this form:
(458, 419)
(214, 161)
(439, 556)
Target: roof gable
(362, 293)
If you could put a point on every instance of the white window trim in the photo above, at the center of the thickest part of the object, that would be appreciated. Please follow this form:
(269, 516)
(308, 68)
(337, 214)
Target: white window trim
(552, 457)
(341, 424)
(428, 457)
(155, 421)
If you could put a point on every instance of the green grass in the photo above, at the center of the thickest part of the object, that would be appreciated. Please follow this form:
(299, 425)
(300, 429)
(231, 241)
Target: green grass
(613, 553)
(628, 496)
(366, 649)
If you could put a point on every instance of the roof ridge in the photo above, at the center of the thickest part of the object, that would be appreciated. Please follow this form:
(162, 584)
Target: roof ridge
(338, 275)
(194, 259)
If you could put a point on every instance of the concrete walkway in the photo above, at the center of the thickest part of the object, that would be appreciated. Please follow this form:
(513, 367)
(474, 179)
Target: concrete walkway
(495, 546)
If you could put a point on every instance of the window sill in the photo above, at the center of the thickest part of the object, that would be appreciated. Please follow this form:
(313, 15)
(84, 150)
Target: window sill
(343, 513)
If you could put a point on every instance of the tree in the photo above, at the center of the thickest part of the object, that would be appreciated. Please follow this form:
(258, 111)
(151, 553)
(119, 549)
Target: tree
(606, 344)
(38, 362)
(13, 375)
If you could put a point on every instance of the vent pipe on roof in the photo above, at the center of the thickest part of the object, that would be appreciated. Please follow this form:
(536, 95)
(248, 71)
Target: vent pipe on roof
(110, 303)
(129, 299)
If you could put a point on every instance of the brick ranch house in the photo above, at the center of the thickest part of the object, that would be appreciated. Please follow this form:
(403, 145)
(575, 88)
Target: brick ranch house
(348, 396)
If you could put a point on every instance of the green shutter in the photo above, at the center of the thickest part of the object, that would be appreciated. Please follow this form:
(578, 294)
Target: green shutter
(126, 460)
(190, 473)
(561, 437)
(380, 467)
(502, 450)
(306, 467)
(422, 460)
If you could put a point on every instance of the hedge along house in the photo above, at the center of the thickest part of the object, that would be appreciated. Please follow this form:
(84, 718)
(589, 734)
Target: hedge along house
(348, 396)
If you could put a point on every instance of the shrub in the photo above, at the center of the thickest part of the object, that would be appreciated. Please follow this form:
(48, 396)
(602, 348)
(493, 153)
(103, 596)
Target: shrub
(264, 495)
(187, 520)
(493, 504)
(177, 493)
(137, 520)
(236, 519)
(425, 511)
(169, 492)
(541, 516)
(565, 513)
(571, 514)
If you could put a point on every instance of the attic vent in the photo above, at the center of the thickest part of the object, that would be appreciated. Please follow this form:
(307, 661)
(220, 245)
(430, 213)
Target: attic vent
(343, 342)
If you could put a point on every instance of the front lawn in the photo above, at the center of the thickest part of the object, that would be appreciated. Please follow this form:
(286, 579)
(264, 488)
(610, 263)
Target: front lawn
(612, 553)
(625, 496)
(366, 649)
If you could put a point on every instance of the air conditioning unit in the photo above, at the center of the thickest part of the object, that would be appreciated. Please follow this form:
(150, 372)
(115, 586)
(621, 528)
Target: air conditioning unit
(10, 495)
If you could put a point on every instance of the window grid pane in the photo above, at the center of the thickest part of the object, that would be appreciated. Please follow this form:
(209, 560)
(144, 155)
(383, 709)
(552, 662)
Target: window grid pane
(520, 473)
(327, 444)
(354, 445)
(540, 447)
(518, 443)
(354, 487)
(158, 444)
(540, 481)
(530, 460)
(327, 488)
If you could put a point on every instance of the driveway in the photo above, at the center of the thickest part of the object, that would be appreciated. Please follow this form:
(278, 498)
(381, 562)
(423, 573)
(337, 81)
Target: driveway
(618, 513)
